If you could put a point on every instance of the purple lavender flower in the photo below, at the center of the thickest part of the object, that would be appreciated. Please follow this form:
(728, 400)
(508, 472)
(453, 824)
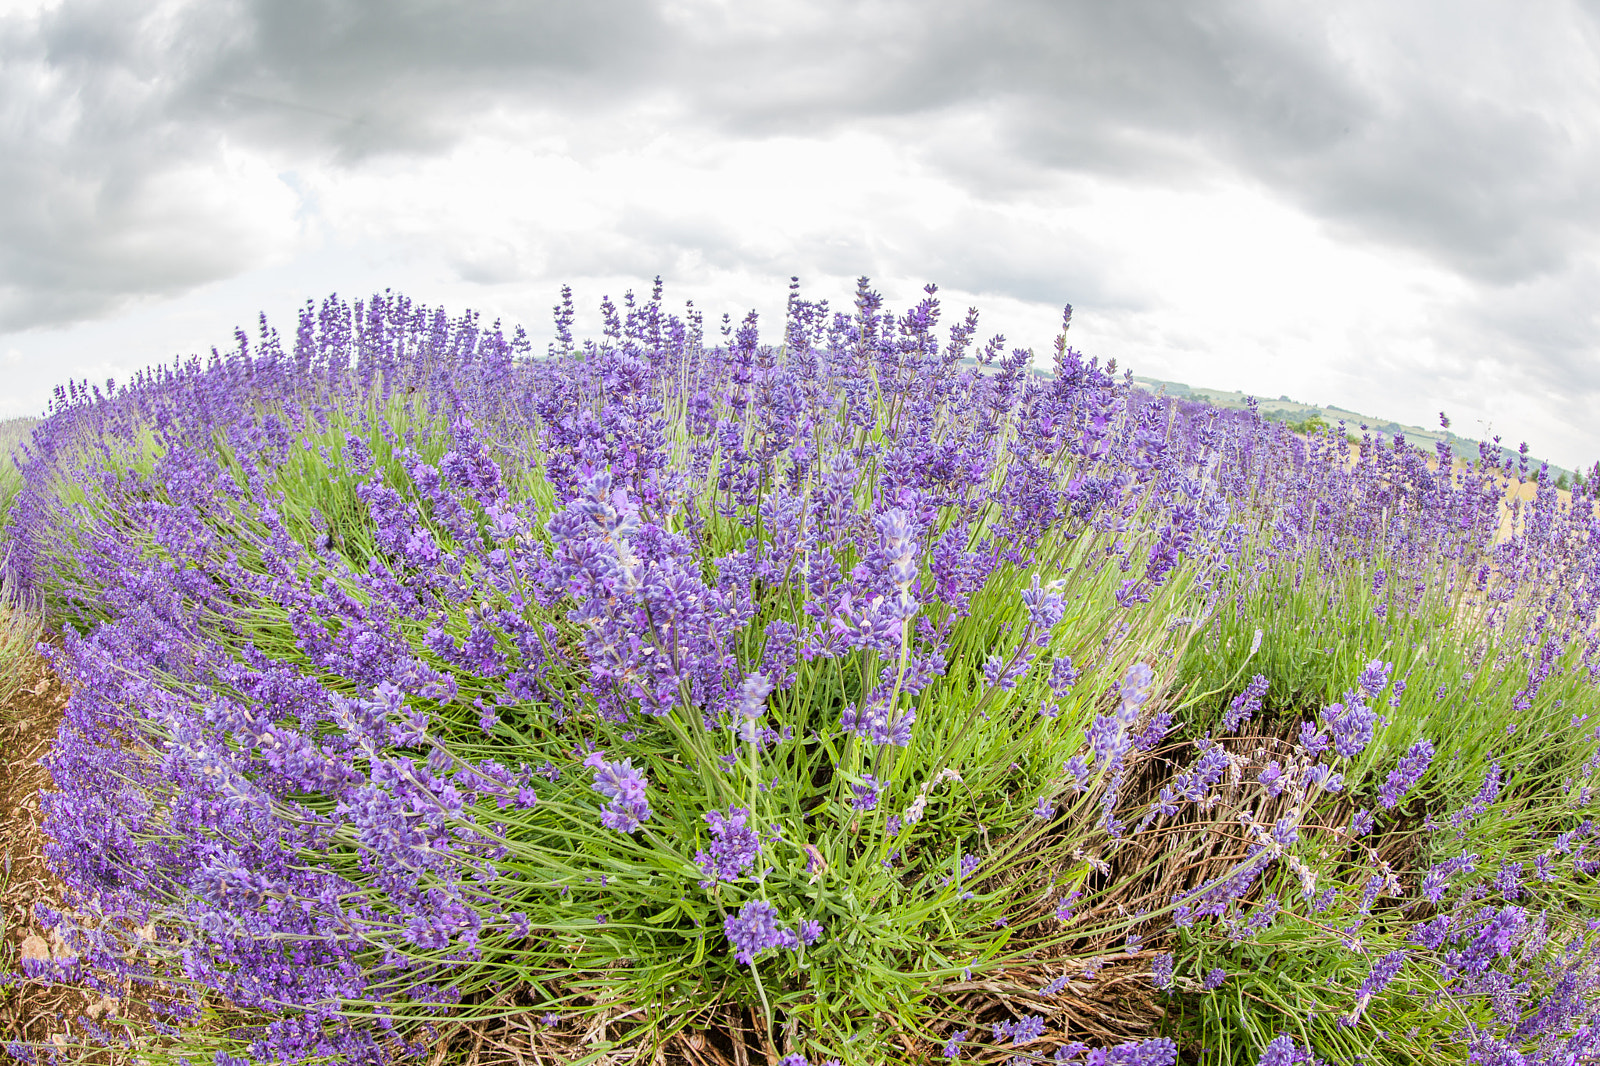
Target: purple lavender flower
(1271, 776)
(1063, 675)
(1195, 783)
(1158, 1051)
(1026, 1029)
(1432, 934)
(755, 929)
(1003, 673)
(1161, 969)
(625, 787)
(1286, 830)
(1265, 913)
(880, 723)
(1352, 725)
(1282, 1051)
(866, 794)
(751, 706)
(1487, 793)
(1508, 881)
(1313, 741)
(952, 1046)
(1374, 678)
(1323, 776)
(1410, 770)
(1245, 704)
(1134, 688)
(1045, 605)
(1215, 977)
(1109, 740)
(897, 531)
(1383, 971)
(734, 846)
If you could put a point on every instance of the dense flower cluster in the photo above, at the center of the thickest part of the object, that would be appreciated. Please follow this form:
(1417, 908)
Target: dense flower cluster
(839, 630)
(734, 845)
(624, 789)
(755, 929)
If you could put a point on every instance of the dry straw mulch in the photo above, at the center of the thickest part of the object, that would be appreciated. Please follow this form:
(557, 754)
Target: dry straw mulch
(30, 1010)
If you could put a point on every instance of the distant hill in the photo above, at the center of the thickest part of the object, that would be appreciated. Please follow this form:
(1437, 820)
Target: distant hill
(1284, 409)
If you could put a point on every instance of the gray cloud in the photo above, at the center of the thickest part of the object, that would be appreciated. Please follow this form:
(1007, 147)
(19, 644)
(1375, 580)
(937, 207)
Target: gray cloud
(75, 158)
(370, 77)
(109, 108)
(1389, 143)
(1371, 132)
(1074, 79)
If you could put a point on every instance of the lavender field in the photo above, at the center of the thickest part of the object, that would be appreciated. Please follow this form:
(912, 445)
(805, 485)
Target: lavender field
(838, 692)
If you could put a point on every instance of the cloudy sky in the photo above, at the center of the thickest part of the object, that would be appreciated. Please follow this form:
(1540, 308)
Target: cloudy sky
(1389, 207)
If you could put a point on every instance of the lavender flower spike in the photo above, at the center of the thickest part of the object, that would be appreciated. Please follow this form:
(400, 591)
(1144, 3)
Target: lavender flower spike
(1283, 1052)
(625, 787)
(734, 846)
(1412, 766)
(752, 705)
(755, 929)
(1383, 971)
(1245, 704)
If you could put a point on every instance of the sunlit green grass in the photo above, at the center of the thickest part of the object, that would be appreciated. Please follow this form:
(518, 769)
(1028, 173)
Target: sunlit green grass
(1320, 626)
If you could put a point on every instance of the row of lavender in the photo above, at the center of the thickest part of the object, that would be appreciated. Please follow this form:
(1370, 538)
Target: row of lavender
(841, 678)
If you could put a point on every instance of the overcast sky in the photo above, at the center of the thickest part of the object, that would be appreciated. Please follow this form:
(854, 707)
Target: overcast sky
(1393, 208)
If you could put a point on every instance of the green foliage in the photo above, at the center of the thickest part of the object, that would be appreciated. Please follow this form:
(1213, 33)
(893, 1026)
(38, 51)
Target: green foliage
(13, 432)
(21, 627)
(1307, 426)
(1461, 683)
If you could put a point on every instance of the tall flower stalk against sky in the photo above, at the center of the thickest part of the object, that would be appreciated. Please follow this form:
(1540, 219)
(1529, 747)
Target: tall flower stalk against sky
(863, 669)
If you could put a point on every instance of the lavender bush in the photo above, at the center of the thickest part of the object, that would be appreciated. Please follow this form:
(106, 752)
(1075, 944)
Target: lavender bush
(865, 680)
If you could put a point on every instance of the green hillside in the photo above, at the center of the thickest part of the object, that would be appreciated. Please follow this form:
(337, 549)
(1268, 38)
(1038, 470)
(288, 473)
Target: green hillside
(1283, 409)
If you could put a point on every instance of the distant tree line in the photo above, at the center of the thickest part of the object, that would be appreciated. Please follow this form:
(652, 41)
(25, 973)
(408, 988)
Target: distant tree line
(1581, 482)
